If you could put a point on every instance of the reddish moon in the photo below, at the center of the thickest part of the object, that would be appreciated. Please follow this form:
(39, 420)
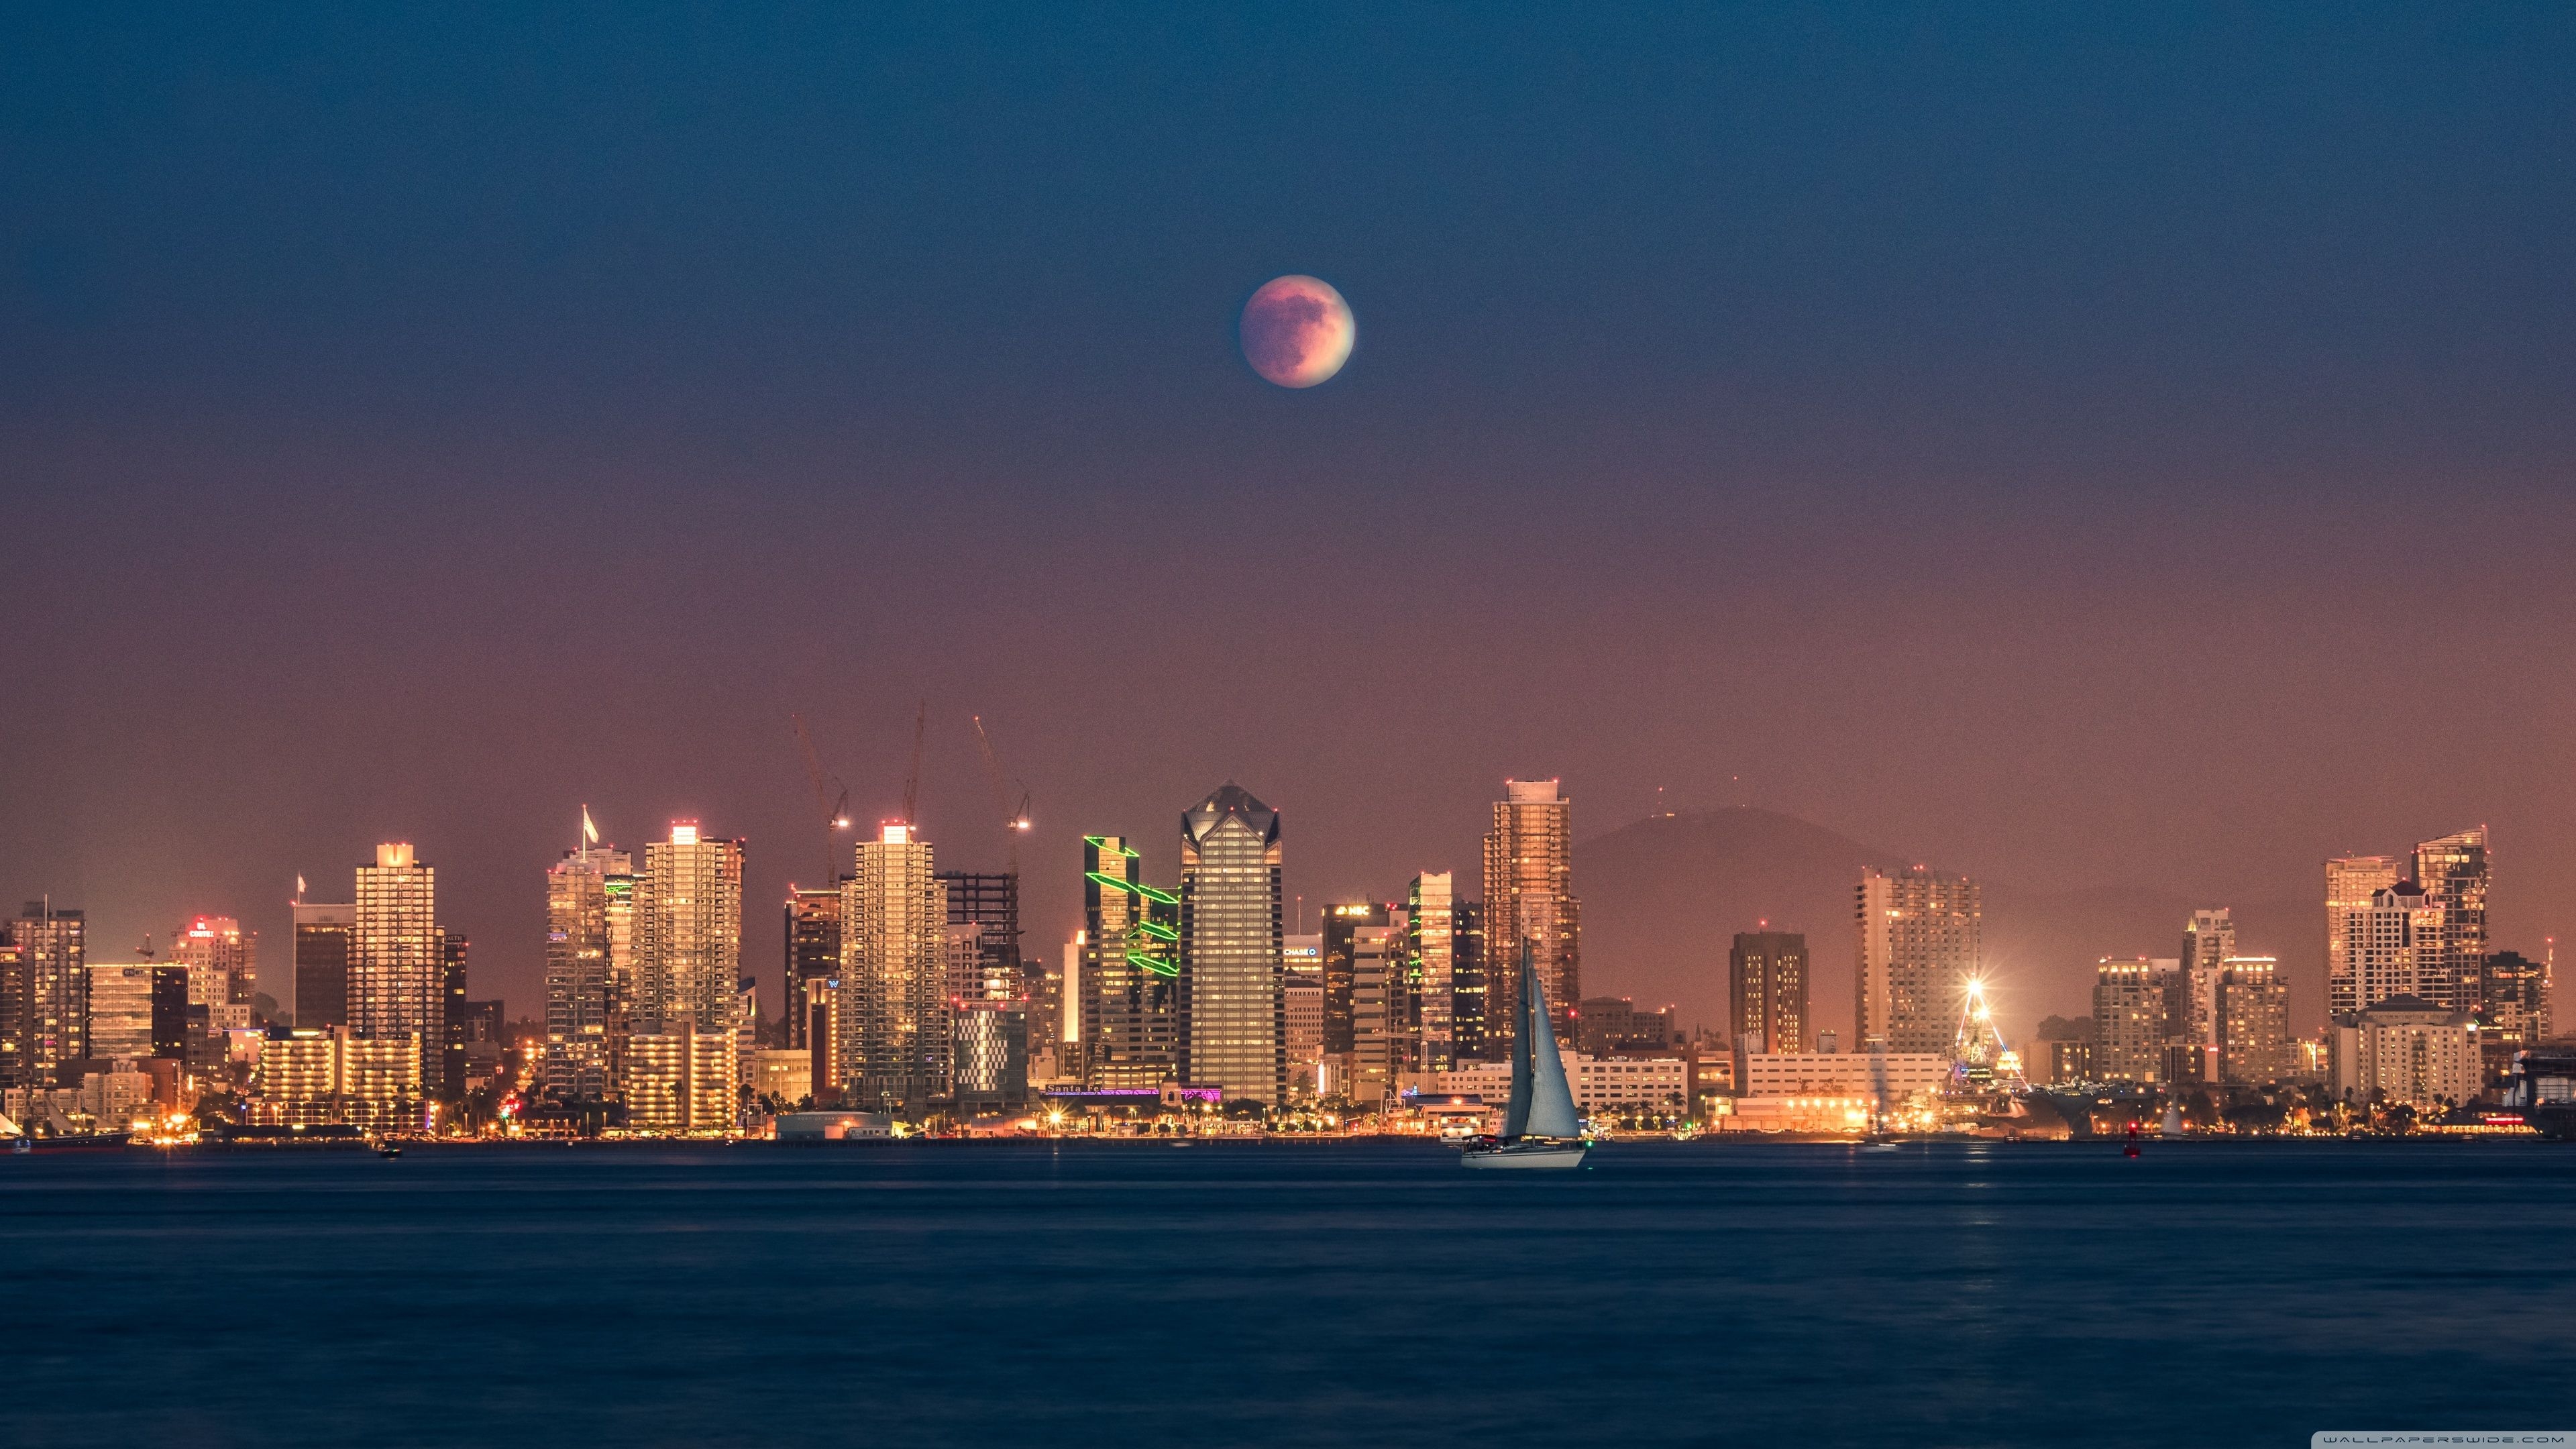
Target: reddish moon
(1297, 331)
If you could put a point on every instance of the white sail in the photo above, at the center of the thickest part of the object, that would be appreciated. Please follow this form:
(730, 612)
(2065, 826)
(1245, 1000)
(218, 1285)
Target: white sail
(1551, 1101)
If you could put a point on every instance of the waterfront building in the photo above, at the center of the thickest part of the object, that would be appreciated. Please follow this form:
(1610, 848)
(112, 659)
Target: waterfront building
(1233, 1018)
(2208, 941)
(1920, 942)
(1888, 1078)
(1766, 991)
(2351, 882)
(138, 1011)
(2128, 1020)
(894, 1033)
(397, 955)
(1431, 969)
(2386, 947)
(2407, 1050)
(313, 1076)
(2453, 872)
(44, 996)
(688, 934)
(1129, 971)
(320, 996)
(784, 1076)
(681, 1081)
(2254, 1021)
(1600, 1084)
(2062, 1053)
(992, 1055)
(813, 952)
(578, 995)
(1529, 896)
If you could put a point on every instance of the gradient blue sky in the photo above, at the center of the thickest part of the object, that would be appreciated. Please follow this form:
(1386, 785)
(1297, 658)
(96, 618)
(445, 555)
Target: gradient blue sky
(2070, 444)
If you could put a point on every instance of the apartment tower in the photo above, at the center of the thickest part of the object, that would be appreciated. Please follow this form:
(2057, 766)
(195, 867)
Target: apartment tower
(1529, 897)
(1919, 943)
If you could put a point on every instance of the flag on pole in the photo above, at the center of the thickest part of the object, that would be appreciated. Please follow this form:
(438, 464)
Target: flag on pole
(589, 832)
(299, 887)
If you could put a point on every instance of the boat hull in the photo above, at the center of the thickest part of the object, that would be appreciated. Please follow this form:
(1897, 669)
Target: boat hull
(1525, 1156)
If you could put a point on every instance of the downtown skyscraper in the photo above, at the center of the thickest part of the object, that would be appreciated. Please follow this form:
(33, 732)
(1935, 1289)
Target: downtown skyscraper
(1529, 898)
(398, 956)
(44, 995)
(579, 994)
(893, 1030)
(675, 1064)
(1433, 950)
(1921, 933)
(1127, 971)
(2453, 870)
(2351, 881)
(1234, 1032)
(1766, 992)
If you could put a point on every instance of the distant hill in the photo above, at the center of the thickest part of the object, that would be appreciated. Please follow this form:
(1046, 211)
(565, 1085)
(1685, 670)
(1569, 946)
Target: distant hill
(1664, 897)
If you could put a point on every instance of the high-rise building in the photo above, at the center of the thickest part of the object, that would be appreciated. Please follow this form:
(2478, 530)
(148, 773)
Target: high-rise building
(577, 985)
(2453, 871)
(1302, 965)
(688, 934)
(222, 962)
(398, 957)
(322, 960)
(1529, 897)
(984, 922)
(813, 952)
(1920, 939)
(2351, 880)
(2128, 1021)
(1380, 1049)
(2385, 945)
(2208, 943)
(138, 1010)
(451, 1015)
(1343, 920)
(1470, 987)
(2254, 1021)
(44, 998)
(1431, 970)
(746, 1028)
(1129, 969)
(1766, 991)
(2513, 1002)
(894, 1030)
(1234, 1033)
(624, 940)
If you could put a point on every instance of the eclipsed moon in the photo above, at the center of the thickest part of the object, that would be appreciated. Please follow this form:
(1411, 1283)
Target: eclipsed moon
(1297, 331)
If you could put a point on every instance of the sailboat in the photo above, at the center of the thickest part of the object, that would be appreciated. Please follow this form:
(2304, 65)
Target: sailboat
(1540, 1129)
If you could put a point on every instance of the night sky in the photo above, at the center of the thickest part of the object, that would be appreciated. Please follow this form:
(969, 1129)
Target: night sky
(2073, 445)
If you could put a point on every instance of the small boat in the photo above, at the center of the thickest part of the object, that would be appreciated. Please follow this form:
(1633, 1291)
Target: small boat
(389, 1149)
(1540, 1129)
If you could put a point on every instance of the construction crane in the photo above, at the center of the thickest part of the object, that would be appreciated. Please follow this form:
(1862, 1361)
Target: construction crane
(912, 781)
(1015, 822)
(836, 808)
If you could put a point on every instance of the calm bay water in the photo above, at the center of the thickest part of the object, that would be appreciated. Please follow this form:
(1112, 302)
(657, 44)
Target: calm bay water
(1141, 1294)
